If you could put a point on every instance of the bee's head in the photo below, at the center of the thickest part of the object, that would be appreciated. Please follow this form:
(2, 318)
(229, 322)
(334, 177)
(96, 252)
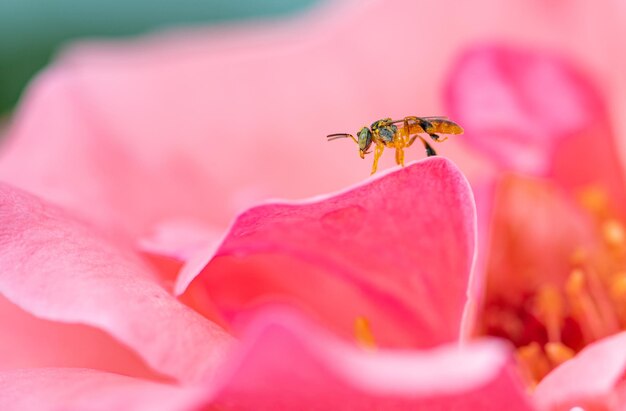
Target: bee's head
(364, 141)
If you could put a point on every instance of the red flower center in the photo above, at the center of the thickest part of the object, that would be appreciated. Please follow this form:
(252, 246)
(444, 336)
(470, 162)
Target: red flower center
(547, 307)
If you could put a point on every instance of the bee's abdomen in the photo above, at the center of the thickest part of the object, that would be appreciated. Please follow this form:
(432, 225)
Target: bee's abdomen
(443, 127)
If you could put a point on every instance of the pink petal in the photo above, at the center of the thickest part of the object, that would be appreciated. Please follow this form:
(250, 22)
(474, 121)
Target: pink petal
(179, 239)
(589, 380)
(179, 249)
(483, 191)
(397, 249)
(53, 389)
(59, 269)
(534, 113)
(66, 345)
(287, 364)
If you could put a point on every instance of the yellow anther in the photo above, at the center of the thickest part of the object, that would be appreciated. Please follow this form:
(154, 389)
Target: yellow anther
(558, 353)
(613, 233)
(549, 309)
(363, 333)
(533, 362)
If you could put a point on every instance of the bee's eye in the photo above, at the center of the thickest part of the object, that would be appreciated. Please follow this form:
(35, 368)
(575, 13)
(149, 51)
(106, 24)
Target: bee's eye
(365, 138)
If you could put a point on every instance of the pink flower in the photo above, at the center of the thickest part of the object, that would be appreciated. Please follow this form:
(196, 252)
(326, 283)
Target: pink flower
(555, 265)
(106, 260)
(68, 283)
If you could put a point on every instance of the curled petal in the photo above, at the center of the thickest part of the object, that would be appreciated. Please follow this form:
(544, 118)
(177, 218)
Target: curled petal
(287, 364)
(37, 343)
(398, 250)
(59, 269)
(72, 389)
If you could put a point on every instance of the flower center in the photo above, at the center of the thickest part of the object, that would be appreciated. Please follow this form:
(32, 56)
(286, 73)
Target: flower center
(560, 314)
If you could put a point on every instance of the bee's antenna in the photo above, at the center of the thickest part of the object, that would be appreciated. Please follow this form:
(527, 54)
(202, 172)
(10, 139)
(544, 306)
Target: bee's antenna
(331, 137)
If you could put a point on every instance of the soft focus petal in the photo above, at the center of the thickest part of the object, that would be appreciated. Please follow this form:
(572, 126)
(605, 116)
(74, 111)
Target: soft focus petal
(179, 248)
(31, 342)
(398, 250)
(593, 379)
(191, 112)
(196, 121)
(286, 364)
(179, 240)
(536, 114)
(132, 134)
(57, 269)
(54, 389)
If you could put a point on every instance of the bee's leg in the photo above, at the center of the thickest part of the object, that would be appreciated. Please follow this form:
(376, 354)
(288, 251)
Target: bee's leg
(378, 151)
(401, 142)
(400, 156)
(429, 150)
(437, 138)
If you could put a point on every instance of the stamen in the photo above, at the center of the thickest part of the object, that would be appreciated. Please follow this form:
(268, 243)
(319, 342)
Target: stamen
(558, 353)
(549, 310)
(582, 306)
(533, 363)
(363, 333)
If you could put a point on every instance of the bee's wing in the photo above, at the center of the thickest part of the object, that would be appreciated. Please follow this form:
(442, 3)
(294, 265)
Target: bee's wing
(414, 118)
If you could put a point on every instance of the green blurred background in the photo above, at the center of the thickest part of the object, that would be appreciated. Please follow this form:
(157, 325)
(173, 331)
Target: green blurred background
(32, 30)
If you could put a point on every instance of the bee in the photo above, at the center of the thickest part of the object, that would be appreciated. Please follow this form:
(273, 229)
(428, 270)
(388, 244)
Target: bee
(400, 134)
